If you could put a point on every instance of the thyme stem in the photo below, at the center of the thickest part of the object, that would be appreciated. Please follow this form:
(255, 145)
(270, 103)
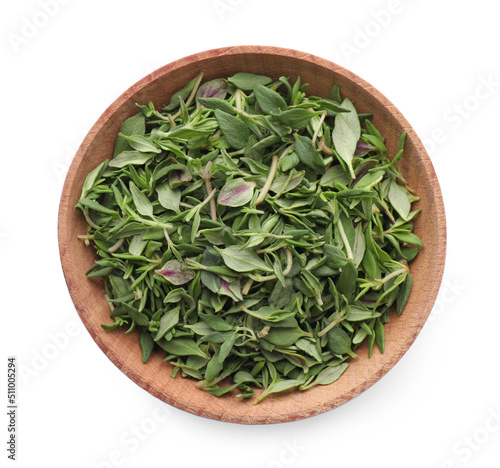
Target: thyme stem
(192, 95)
(345, 240)
(269, 181)
(318, 127)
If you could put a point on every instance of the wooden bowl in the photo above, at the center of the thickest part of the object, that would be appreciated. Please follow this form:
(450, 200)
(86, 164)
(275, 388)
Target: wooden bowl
(124, 351)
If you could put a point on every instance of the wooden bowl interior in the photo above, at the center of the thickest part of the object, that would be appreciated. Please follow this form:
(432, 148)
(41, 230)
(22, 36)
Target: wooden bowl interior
(124, 350)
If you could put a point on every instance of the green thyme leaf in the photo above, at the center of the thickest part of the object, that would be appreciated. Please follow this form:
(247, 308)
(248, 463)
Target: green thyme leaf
(234, 130)
(248, 81)
(168, 321)
(238, 259)
(346, 133)
(269, 101)
(308, 154)
(147, 345)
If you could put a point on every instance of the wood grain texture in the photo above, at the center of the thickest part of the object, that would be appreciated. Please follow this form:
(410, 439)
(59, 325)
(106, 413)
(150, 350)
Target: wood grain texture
(154, 377)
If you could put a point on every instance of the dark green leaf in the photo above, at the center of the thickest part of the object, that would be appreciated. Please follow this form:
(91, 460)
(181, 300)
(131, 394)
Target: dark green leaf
(335, 93)
(346, 133)
(346, 284)
(296, 118)
(135, 125)
(269, 101)
(377, 142)
(138, 317)
(404, 293)
(328, 375)
(339, 341)
(248, 81)
(226, 347)
(214, 367)
(220, 391)
(168, 197)
(93, 205)
(147, 345)
(358, 248)
(356, 314)
(216, 322)
(333, 175)
(130, 157)
(336, 257)
(284, 336)
(182, 94)
(245, 377)
(408, 238)
(234, 130)
(270, 314)
(168, 321)
(331, 106)
(141, 202)
(183, 346)
(289, 161)
(308, 154)
(217, 104)
(380, 336)
(278, 387)
(93, 177)
(141, 144)
(310, 347)
(369, 180)
(398, 198)
(242, 260)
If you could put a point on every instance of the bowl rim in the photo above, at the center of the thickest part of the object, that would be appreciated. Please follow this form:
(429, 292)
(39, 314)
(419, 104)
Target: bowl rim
(64, 209)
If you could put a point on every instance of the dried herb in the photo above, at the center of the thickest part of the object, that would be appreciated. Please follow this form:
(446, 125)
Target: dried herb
(255, 234)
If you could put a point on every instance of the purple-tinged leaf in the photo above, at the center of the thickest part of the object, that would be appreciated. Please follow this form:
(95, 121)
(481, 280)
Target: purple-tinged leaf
(213, 89)
(362, 170)
(233, 290)
(176, 272)
(238, 192)
(179, 176)
(363, 148)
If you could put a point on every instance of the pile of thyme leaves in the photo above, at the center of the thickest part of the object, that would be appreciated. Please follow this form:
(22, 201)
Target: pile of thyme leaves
(256, 234)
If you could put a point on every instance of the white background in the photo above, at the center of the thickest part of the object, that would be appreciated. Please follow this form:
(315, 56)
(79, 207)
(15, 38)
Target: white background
(64, 63)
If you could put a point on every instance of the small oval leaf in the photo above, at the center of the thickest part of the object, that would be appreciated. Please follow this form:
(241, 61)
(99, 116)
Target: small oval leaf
(213, 89)
(176, 272)
(238, 192)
